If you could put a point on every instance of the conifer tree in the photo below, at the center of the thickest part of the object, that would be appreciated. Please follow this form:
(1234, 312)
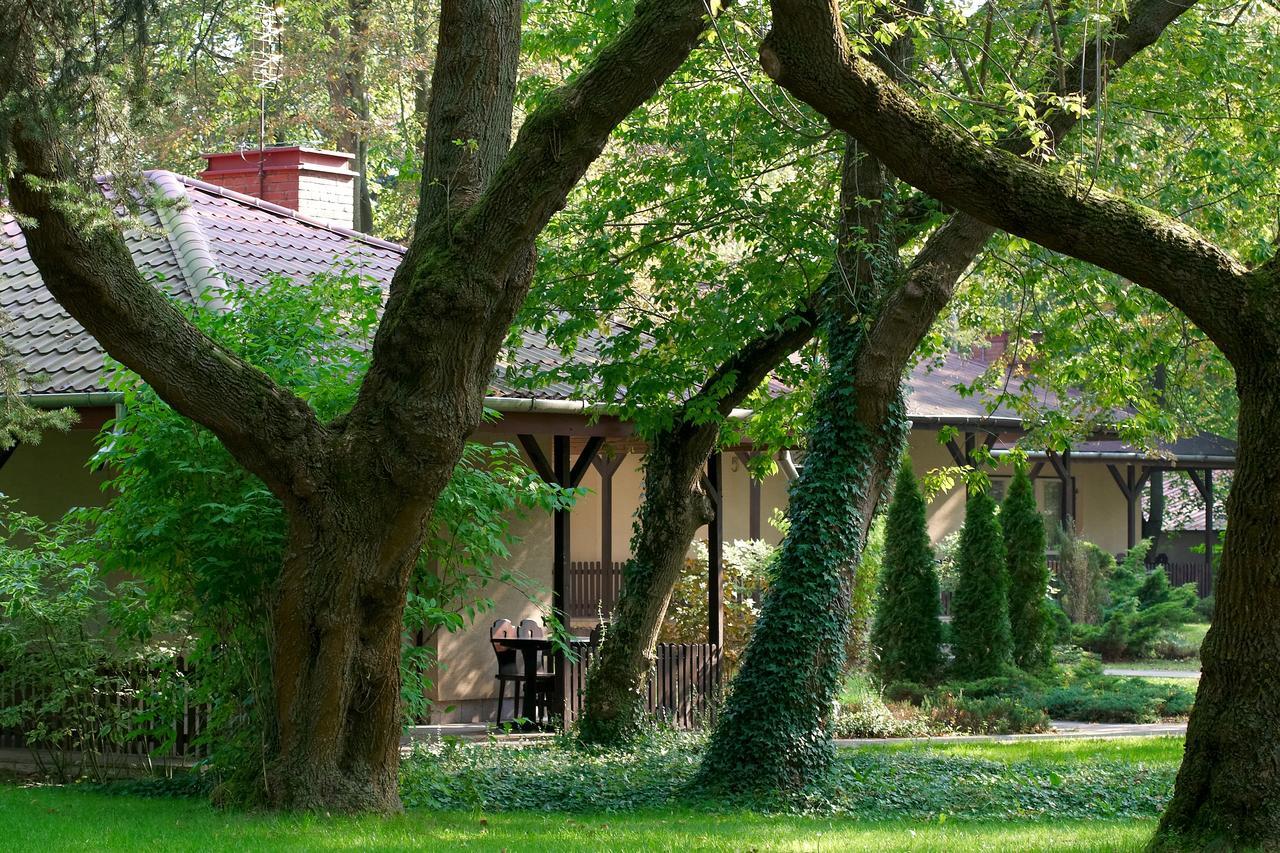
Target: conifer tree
(907, 634)
(1030, 622)
(980, 636)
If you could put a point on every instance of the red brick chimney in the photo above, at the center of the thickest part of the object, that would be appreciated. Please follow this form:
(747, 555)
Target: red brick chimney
(318, 184)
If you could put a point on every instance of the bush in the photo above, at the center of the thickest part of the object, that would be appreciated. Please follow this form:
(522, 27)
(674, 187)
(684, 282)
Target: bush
(862, 598)
(1141, 614)
(1014, 683)
(877, 720)
(747, 563)
(75, 672)
(1030, 621)
(980, 637)
(1108, 699)
(989, 715)
(1083, 571)
(907, 634)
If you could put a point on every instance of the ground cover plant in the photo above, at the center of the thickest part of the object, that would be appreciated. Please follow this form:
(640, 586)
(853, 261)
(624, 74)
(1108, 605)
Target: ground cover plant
(865, 783)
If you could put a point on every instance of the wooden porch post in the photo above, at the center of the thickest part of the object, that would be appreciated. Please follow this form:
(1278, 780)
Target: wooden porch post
(1061, 463)
(753, 491)
(715, 553)
(607, 467)
(1131, 487)
(560, 569)
(562, 472)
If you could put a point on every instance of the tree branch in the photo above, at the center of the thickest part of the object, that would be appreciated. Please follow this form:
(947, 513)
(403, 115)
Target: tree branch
(807, 53)
(567, 133)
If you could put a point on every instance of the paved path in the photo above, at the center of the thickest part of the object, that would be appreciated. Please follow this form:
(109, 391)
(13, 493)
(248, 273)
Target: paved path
(1063, 730)
(1153, 673)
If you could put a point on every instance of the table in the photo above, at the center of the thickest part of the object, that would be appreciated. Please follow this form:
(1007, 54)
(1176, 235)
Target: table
(529, 648)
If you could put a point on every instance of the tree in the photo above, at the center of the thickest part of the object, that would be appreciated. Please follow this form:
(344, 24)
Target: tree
(980, 634)
(358, 490)
(1028, 572)
(675, 499)
(1225, 792)
(206, 538)
(907, 635)
(761, 741)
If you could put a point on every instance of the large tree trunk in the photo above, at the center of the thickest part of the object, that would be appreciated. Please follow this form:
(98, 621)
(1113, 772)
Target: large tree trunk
(336, 632)
(1226, 790)
(675, 505)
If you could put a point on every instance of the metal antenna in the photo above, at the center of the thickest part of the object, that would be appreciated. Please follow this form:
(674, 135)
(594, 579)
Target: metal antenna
(267, 61)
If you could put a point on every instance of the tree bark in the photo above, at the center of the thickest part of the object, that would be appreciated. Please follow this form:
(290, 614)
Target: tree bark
(336, 635)
(1227, 794)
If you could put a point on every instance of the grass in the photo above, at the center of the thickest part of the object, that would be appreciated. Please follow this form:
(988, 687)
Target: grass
(1146, 750)
(56, 818)
(1157, 664)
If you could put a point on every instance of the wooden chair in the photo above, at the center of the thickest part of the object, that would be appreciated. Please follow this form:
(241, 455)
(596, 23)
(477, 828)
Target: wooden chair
(508, 665)
(544, 680)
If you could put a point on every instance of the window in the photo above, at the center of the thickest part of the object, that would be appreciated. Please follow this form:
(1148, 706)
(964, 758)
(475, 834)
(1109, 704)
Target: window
(999, 488)
(1051, 509)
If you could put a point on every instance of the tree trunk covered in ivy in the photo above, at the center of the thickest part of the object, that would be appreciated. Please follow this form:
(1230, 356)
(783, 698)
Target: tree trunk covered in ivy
(1227, 794)
(773, 731)
(358, 492)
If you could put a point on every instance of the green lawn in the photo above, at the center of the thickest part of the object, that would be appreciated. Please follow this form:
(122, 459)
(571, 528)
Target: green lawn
(1165, 751)
(53, 818)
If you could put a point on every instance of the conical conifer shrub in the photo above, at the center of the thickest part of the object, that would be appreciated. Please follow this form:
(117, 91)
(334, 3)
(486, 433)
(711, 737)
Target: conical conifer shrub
(980, 637)
(906, 636)
(1030, 622)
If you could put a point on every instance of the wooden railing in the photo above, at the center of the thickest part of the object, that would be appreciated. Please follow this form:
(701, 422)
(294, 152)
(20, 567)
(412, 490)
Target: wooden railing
(593, 589)
(682, 690)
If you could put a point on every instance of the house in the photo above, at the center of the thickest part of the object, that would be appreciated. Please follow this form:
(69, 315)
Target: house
(284, 211)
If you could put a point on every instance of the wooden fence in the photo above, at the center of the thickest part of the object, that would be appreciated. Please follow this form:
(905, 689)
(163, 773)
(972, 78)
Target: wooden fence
(1179, 574)
(683, 688)
(143, 722)
(1197, 573)
(593, 589)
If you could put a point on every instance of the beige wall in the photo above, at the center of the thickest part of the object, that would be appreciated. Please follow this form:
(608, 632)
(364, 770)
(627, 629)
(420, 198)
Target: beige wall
(51, 477)
(1100, 508)
(628, 488)
(465, 678)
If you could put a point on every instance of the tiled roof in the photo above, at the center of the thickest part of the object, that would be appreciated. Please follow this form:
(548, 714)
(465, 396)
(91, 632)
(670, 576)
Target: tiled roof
(238, 236)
